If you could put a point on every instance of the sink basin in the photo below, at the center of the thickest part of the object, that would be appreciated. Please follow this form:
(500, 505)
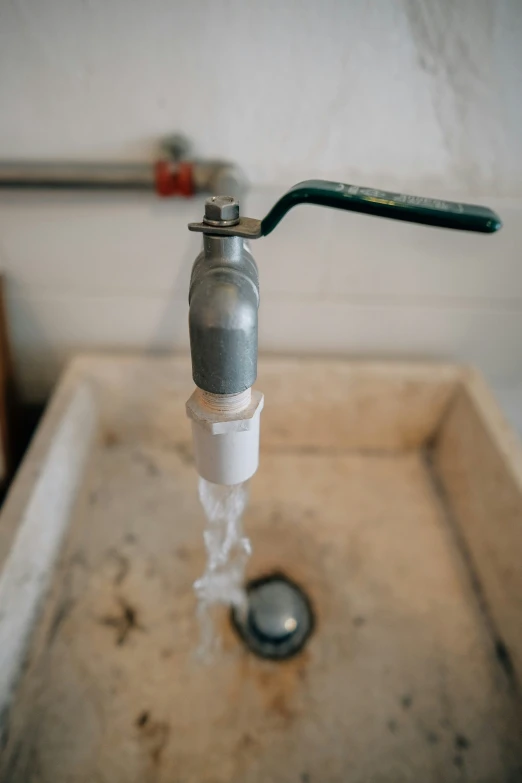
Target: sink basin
(390, 492)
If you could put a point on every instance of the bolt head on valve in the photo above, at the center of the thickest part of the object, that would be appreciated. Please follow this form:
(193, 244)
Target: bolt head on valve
(221, 211)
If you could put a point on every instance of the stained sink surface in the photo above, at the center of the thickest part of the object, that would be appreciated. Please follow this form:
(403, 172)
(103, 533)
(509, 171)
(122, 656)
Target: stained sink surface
(403, 678)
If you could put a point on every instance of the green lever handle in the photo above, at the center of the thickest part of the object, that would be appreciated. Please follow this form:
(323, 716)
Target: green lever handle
(413, 209)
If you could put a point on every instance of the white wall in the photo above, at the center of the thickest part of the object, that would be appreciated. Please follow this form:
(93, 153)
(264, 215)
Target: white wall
(422, 95)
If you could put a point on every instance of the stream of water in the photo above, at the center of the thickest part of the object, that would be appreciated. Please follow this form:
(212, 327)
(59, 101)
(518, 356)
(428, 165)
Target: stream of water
(228, 550)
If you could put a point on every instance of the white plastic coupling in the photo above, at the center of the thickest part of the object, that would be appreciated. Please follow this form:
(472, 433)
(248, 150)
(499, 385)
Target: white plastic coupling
(225, 430)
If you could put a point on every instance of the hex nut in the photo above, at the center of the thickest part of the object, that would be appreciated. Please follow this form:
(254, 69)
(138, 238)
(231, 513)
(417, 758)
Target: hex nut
(218, 208)
(221, 424)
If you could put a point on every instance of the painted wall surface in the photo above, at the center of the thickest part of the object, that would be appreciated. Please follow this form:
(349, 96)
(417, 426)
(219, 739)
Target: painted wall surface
(421, 95)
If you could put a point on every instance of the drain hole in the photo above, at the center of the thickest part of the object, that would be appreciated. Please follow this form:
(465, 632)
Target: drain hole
(279, 620)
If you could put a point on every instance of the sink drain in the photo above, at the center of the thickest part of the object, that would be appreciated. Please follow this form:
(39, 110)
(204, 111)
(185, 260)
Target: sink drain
(279, 620)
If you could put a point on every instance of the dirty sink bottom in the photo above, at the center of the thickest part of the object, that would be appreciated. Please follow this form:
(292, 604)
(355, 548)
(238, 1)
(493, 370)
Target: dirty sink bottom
(408, 675)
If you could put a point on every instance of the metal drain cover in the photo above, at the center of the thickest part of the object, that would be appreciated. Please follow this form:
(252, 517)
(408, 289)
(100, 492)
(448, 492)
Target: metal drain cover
(279, 619)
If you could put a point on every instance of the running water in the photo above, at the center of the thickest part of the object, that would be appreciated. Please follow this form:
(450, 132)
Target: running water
(227, 553)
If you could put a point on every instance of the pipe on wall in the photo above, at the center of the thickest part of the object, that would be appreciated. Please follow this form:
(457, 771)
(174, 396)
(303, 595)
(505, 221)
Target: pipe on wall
(165, 177)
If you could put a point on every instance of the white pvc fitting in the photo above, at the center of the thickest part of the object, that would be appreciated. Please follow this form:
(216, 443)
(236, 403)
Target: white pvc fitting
(225, 431)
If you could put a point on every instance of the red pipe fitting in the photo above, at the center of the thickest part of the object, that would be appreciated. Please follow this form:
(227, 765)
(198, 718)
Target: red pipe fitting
(174, 179)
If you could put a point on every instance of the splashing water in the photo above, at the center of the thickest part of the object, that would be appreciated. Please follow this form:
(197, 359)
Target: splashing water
(227, 553)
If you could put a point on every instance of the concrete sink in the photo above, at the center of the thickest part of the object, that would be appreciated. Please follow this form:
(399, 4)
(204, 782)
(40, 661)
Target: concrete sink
(391, 492)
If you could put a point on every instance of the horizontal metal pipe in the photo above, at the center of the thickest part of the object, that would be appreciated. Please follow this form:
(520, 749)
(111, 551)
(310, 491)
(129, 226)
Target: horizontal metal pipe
(166, 177)
(77, 176)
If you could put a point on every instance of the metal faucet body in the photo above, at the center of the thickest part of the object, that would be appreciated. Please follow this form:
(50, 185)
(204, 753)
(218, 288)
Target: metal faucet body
(224, 300)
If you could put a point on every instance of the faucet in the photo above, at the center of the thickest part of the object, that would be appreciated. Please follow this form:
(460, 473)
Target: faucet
(223, 310)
